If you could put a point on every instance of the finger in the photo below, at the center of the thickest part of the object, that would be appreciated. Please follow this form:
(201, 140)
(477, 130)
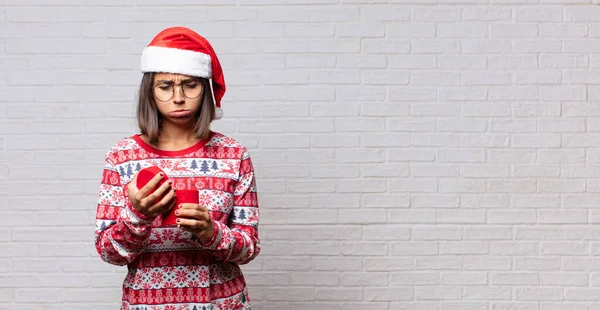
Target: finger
(192, 225)
(193, 206)
(165, 204)
(151, 184)
(130, 190)
(158, 193)
(192, 214)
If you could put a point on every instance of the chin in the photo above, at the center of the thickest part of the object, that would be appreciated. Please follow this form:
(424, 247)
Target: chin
(182, 120)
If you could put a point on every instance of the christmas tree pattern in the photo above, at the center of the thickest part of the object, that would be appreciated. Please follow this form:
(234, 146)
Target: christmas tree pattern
(204, 166)
(214, 165)
(241, 215)
(194, 165)
(129, 171)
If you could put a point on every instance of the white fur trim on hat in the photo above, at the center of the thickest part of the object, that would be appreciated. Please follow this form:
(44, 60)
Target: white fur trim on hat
(173, 60)
(218, 113)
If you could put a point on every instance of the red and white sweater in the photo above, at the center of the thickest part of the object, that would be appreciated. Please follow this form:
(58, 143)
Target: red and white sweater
(169, 269)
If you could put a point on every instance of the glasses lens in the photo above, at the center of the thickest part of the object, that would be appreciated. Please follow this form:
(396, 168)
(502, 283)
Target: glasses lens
(163, 92)
(192, 90)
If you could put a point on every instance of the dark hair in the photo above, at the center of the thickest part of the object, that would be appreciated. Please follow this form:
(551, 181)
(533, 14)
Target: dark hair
(149, 117)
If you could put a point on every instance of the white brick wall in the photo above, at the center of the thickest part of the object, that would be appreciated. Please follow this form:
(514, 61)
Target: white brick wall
(411, 154)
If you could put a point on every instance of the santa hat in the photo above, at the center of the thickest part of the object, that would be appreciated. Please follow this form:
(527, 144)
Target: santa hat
(181, 50)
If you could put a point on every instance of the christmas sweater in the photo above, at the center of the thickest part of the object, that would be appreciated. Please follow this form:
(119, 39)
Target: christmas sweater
(169, 269)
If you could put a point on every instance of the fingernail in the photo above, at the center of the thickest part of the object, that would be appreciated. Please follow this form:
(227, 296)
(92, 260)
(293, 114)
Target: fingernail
(161, 174)
(180, 206)
(176, 212)
(178, 221)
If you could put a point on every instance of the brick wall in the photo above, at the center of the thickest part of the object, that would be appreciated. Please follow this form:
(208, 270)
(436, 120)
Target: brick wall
(422, 155)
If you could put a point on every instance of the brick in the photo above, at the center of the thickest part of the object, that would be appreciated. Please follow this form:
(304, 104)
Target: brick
(303, 30)
(459, 247)
(487, 293)
(505, 30)
(363, 30)
(390, 264)
(434, 170)
(370, 279)
(514, 278)
(539, 294)
(489, 232)
(564, 278)
(434, 201)
(491, 13)
(538, 15)
(563, 61)
(388, 201)
(464, 278)
(489, 263)
(388, 294)
(505, 305)
(512, 61)
(550, 76)
(563, 30)
(403, 30)
(301, 61)
(438, 233)
(430, 109)
(413, 61)
(511, 217)
(335, 140)
(364, 248)
(461, 186)
(328, 109)
(448, 14)
(385, 13)
(486, 46)
(50, 295)
(335, 77)
(378, 77)
(411, 248)
(312, 278)
(326, 171)
(462, 62)
(437, 293)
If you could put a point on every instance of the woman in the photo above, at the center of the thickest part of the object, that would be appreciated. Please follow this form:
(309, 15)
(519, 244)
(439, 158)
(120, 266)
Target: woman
(195, 264)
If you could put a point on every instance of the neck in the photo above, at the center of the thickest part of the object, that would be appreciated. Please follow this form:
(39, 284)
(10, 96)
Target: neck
(174, 133)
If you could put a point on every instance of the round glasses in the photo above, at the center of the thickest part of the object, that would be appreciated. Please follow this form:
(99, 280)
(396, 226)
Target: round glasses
(165, 92)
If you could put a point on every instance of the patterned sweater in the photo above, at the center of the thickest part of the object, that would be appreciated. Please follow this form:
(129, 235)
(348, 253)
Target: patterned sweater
(169, 269)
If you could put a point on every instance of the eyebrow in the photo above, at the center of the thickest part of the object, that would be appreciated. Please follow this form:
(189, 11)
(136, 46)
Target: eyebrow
(170, 82)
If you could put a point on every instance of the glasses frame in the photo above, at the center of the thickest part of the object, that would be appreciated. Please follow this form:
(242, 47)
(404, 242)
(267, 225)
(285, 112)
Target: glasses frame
(173, 90)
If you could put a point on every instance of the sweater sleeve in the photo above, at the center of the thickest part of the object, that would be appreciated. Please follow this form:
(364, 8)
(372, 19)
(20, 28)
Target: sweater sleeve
(121, 231)
(238, 242)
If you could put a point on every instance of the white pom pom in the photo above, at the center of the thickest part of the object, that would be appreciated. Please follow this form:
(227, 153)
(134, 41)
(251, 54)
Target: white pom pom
(218, 113)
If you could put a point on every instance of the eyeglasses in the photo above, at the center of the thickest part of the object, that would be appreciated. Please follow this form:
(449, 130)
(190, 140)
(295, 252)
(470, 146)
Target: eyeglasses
(165, 92)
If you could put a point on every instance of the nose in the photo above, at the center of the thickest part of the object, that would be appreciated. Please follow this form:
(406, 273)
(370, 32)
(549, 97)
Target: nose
(178, 94)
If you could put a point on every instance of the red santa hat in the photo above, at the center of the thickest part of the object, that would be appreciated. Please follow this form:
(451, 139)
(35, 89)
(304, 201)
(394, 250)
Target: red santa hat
(181, 50)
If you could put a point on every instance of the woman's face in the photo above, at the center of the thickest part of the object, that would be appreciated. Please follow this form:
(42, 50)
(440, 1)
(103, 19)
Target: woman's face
(178, 97)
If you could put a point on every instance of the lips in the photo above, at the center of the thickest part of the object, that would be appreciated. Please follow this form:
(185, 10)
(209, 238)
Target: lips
(180, 113)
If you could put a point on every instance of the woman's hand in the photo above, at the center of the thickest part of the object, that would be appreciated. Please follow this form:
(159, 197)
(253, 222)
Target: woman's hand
(195, 219)
(155, 204)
